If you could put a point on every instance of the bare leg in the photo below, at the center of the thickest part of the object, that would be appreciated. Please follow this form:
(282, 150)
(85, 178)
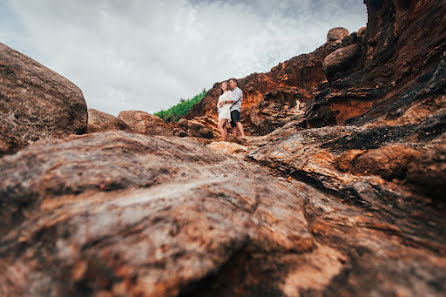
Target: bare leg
(234, 131)
(222, 128)
(240, 127)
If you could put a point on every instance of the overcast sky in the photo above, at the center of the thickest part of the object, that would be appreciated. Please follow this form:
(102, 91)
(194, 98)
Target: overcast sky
(146, 55)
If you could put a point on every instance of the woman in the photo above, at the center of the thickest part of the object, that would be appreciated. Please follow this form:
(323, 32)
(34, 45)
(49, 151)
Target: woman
(224, 109)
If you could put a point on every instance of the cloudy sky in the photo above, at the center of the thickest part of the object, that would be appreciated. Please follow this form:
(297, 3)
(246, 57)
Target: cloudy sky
(148, 54)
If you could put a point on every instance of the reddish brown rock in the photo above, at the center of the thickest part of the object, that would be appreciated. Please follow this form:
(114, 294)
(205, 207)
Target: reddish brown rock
(183, 123)
(179, 132)
(388, 162)
(152, 216)
(35, 102)
(402, 63)
(144, 123)
(99, 121)
(337, 34)
(362, 32)
(427, 172)
(345, 162)
(341, 60)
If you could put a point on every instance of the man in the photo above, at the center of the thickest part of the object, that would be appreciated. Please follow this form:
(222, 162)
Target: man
(237, 98)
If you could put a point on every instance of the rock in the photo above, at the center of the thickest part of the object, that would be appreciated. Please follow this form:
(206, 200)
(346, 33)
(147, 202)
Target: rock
(337, 63)
(153, 216)
(144, 123)
(183, 123)
(198, 129)
(99, 121)
(337, 33)
(278, 108)
(345, 162)
(389, 162)
(229, 148)
(35, 103)
(179, 132)
(362, 32)
(427, 172)
(391, 64)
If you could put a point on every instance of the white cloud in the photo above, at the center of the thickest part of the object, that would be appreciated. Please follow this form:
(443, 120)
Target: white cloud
(146, 55)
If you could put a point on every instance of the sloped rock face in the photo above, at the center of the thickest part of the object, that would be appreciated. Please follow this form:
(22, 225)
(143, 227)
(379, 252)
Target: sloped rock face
(145, 123)
(383, 180)
(119, 214)
(35, 103)
(99, 121)
(402, 64)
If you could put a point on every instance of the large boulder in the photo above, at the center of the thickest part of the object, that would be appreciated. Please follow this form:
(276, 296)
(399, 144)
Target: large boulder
(341, 62)
(145, 123)
(121, 214)
(35, 102)
(99, 121)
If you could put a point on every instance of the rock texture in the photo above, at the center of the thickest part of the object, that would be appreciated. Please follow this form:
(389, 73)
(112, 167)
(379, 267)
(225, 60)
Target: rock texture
(343, 196)
(402, 64)
(145, 123)
(99, 121)
(118, 214)
(336, 34)
(35, 103)
(341, 60)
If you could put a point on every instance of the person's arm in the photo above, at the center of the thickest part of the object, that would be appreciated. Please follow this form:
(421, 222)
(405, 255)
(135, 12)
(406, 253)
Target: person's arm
(223, 102)
(229, 100)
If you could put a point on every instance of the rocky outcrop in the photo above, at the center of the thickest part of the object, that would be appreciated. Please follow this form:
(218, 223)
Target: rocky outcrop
(35, 103)
(144, 123)
(99, 121)
(299, 77)
(402, 64)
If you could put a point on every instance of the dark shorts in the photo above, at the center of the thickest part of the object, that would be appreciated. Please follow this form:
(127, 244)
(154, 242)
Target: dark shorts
(235, 117)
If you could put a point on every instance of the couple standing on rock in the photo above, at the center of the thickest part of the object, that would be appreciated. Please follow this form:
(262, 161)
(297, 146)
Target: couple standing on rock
(229, 105)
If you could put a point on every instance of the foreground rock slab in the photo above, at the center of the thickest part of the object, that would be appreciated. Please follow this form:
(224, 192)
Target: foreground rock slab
(119, 214)
(35, 102)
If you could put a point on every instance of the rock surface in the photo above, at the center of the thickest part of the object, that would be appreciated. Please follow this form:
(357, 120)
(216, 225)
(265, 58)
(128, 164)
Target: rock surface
(145, 123)
(402, 63)
(99, 121)
(336, 34)
(35, 103)
(341, 60)
(124, 214)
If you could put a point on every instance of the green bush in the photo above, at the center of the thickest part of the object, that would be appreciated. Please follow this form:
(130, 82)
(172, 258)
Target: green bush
(178, 111)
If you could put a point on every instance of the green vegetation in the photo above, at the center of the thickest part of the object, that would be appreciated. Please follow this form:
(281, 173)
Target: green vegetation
(178, 111)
